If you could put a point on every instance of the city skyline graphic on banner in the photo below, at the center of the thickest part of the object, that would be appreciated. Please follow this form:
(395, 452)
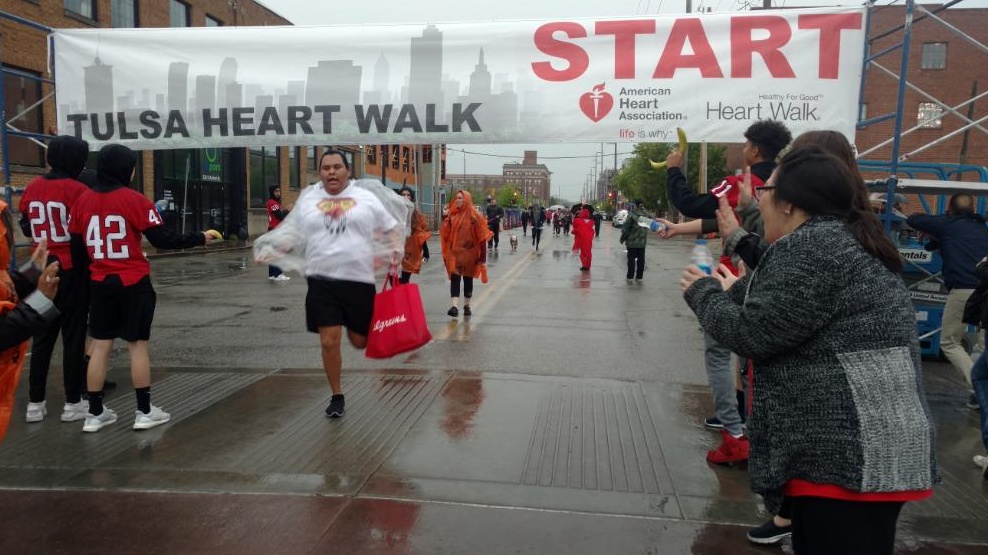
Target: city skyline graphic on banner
(327, 82)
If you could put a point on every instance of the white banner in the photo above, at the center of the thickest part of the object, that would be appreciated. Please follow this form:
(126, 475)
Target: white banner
(595, 80)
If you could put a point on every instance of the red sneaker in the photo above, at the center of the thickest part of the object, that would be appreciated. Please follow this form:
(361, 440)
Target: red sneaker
(732, 449)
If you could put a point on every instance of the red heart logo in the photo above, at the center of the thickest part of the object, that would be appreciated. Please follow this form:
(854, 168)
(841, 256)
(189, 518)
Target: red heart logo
(597, 103)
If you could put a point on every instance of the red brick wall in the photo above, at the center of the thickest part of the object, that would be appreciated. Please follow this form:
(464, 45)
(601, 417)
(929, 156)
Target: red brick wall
(26, 48)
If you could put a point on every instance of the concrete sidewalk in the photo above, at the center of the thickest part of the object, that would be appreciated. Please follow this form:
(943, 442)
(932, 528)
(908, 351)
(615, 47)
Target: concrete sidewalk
(564, 417)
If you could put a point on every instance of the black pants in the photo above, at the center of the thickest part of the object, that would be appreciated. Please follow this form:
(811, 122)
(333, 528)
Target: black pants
(524, 229)
(454, 286)
(536, 236)
(404, 277)
(636, 262)
(596, 228)
(825, 526)
(496, 239)
(72, 300)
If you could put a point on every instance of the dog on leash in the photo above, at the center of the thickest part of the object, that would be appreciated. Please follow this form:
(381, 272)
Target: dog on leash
(514, 242)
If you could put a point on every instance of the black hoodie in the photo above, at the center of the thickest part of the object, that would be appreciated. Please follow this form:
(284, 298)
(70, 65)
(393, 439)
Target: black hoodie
(67, 157)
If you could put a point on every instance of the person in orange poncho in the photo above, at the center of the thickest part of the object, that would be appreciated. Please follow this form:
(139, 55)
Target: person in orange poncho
(464, 235)
(416, 248)
(21, 319)
(583, 233)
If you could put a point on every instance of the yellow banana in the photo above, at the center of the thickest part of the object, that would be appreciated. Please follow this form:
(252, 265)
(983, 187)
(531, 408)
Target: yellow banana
(683, 145)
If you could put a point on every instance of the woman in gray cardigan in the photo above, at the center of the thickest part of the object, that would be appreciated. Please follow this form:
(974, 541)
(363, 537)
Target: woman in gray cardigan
(839, 418)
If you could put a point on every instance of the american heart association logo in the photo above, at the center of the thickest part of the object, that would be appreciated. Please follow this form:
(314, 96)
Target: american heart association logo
(597, 103)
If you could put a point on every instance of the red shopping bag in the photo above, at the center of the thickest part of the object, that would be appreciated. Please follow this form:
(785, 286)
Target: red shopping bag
(398, 324)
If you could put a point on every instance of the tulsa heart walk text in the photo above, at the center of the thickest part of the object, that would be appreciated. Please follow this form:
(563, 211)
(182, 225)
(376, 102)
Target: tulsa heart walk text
(292, 120)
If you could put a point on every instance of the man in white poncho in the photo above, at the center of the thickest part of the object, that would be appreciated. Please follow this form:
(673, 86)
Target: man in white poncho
(334, 236)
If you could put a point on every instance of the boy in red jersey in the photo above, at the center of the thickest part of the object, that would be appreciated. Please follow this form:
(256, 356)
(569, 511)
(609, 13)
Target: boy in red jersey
(44, 209)
(106, 225)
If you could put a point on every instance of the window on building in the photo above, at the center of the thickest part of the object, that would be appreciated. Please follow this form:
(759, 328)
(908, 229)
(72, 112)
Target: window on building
(123, 13)
(85, 8)
(406, 155)
(20, 93)
(180, 14)
(263, 174)
(929, 115)
(212, 21)
(371, 154)
(294, 181)
(394, 155)
(310, 158)
(427, 155)
(934, 55)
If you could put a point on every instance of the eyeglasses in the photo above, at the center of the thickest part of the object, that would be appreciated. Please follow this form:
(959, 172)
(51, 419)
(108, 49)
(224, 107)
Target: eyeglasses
(760, 190)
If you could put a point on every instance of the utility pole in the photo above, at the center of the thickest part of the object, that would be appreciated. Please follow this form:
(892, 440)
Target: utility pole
(384, 164)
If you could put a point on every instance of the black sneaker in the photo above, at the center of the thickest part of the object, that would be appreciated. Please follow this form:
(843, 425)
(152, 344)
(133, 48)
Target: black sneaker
(453, 311)
(769, 533)
(973, 403)
(466, 311)
(713, 423)
(335, 408)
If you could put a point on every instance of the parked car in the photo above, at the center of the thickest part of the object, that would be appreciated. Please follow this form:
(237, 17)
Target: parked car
(619, 218)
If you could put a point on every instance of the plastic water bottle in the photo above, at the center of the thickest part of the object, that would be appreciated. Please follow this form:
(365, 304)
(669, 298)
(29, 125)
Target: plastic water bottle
(650, 224)
(701, 256)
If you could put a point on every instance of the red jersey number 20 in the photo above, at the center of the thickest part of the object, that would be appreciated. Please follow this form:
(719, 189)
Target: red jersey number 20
(108, 237)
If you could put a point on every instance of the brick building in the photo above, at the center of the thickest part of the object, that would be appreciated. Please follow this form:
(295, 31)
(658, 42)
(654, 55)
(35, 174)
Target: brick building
(531, 177)
(221, 188)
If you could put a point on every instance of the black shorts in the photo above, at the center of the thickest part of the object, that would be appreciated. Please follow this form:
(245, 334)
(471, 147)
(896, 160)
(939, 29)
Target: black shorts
(331, 302)
(116, 311)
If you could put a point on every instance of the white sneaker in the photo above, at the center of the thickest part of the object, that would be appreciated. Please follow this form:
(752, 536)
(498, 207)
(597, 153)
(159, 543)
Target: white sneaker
(280, 277)
(97, 423)
(154, 418)
(36, 412)
(75, 411)
(981, 461)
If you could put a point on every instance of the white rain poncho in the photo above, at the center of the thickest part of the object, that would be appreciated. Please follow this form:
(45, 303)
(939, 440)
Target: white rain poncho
(284, 246)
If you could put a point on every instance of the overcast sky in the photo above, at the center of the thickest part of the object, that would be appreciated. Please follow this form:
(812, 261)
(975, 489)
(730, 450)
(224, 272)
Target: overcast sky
(569, 175)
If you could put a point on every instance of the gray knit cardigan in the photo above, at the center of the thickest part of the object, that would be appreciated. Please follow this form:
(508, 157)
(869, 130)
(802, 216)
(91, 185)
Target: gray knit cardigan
(838, 392)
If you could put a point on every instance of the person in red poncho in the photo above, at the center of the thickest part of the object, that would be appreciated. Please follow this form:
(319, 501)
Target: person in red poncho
(23, 313)
(583, 233)
(416, 248)
(464, 236)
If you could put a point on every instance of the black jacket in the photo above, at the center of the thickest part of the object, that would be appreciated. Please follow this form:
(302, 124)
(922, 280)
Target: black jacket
(963, 242)
(696, 205)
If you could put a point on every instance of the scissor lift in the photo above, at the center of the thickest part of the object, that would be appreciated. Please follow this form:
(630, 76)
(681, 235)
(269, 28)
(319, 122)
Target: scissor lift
(923, 275)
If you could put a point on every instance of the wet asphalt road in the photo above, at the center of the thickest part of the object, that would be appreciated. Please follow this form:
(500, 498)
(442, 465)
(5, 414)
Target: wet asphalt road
(563, 416)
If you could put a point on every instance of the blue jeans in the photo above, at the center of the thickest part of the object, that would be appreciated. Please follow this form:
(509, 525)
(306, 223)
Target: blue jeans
(979, 379)
(717, 359)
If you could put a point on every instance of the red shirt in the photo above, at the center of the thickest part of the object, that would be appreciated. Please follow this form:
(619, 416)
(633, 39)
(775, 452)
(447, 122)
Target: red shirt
(803, 488)
(111, 223)
(47, 203)
(728, 188)
(273, 206)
